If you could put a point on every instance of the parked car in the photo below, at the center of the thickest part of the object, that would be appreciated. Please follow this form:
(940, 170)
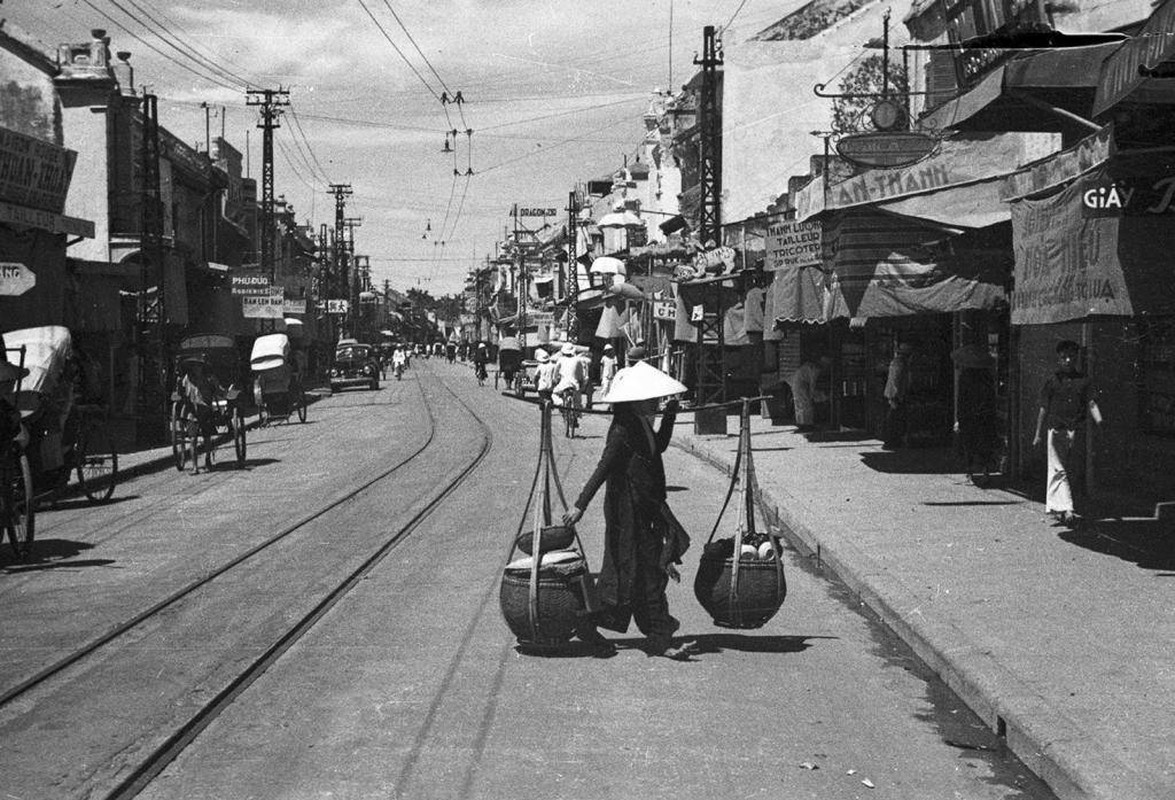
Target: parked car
(354, 365)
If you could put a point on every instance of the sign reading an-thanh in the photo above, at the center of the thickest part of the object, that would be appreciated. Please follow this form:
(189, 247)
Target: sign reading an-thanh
(15, 278)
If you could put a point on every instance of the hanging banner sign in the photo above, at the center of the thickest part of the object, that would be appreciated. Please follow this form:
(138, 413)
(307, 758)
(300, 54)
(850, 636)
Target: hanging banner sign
(338, 306)
(268, 306)
(1067, 264)
(294, 307)
(793, 244)
(540, 318)
(15, 279)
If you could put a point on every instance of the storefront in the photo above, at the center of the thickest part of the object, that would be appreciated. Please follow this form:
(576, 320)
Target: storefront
(1094, 264)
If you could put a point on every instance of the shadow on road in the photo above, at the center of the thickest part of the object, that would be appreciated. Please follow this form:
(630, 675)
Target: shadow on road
(51, 554)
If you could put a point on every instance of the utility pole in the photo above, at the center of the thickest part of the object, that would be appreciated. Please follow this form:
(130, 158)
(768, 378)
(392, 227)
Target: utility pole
(341, 191)
(270, 101)
(711, 347)
(351, 223)
(572, 266)
(154, 363)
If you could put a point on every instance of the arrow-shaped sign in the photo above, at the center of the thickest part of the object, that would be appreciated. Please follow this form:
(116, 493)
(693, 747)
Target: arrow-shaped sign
(16, 279)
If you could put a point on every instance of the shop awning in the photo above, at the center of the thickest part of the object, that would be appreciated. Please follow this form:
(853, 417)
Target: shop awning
(961, 164)
(1009, 98)
(802, 294)
(887, 266)
(1119, 78)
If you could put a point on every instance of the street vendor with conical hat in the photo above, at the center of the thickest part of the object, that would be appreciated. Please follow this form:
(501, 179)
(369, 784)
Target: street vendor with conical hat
(642, 540)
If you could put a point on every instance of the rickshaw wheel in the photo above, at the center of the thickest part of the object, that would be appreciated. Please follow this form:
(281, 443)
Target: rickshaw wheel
(21, 521)
(178, 452)
(189, 443)
(237, 423)
(97, 473)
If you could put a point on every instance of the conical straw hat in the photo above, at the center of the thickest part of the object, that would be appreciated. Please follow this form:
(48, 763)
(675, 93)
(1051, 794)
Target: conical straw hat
(641, 381)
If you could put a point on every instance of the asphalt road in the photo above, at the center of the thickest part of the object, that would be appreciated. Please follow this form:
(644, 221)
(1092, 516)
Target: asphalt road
(410, 685)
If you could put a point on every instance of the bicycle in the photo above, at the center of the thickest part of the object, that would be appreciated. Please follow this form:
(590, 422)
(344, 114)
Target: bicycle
(570, 410)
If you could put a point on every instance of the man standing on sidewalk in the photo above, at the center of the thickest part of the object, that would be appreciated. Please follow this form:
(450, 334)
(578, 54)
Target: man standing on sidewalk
(897, 389)
(1065, 399)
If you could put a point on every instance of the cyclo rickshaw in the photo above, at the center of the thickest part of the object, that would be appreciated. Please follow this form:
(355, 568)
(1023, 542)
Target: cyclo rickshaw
(56, 436)
(509, 364)
(210, 363)
(277, 384)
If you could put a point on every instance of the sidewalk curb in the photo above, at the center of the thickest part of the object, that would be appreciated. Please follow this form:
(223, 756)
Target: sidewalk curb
(1052, 745)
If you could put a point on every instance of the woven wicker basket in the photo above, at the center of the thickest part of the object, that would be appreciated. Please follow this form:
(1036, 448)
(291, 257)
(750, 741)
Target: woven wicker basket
(761, 591)
(552, 537)
(560, 604)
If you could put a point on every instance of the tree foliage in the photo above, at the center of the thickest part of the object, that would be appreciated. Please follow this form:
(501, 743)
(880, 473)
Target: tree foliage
(851, 114)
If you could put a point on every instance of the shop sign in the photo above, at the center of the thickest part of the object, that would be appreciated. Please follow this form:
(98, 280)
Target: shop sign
(250, 283)
(34, 173)
(1129, 196)
(15, 279)
(268, 306)
(538, 212)
(13, 214)
(294, 307)
(792, 244)
(1090, 152)
(1067, 264)
(712, 260)
(338, 306)
(540, 318)
(896, 149)
(665, 309)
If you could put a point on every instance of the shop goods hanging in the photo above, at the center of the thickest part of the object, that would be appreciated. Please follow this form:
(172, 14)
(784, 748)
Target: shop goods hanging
(545, 598)
(740, 580)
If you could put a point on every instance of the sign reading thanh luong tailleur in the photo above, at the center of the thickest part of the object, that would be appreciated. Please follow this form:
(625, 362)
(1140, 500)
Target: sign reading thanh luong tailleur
(1067, 264)
(792, 245)
(34, 173)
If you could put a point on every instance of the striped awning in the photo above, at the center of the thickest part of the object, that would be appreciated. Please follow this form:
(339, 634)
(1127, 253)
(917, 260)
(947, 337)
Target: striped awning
(882, 265)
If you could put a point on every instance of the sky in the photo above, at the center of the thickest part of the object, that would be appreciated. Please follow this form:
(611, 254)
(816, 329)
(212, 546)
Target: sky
(553, 94)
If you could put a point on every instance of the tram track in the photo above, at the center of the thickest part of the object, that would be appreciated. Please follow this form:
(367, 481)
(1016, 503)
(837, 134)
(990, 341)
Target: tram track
(175, 742)
(135, 783)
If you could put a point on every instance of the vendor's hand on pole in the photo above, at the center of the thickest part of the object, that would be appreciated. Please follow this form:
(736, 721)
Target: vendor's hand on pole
(671, 406)
(572, 516)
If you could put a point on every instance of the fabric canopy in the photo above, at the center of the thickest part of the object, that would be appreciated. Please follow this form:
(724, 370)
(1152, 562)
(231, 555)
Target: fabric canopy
(802, 294)
(887, 266)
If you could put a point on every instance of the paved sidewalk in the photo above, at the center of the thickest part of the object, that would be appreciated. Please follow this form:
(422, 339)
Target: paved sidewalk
(1061, 640)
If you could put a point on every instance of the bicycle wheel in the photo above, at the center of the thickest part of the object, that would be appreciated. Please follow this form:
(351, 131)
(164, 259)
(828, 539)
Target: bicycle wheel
(237, 424)
(176, 432)
(20, 508)
(97, 472)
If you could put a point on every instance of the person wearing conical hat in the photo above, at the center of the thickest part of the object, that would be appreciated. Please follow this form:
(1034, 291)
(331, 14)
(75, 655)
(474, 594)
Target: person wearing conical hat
(642, 540)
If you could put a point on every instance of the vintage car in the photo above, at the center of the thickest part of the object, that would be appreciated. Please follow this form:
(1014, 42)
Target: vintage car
(355, 364)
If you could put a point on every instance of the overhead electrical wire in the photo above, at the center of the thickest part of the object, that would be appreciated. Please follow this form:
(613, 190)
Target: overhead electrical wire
(400, 52)
(301, 132)
(183, 48)
(202, 75)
